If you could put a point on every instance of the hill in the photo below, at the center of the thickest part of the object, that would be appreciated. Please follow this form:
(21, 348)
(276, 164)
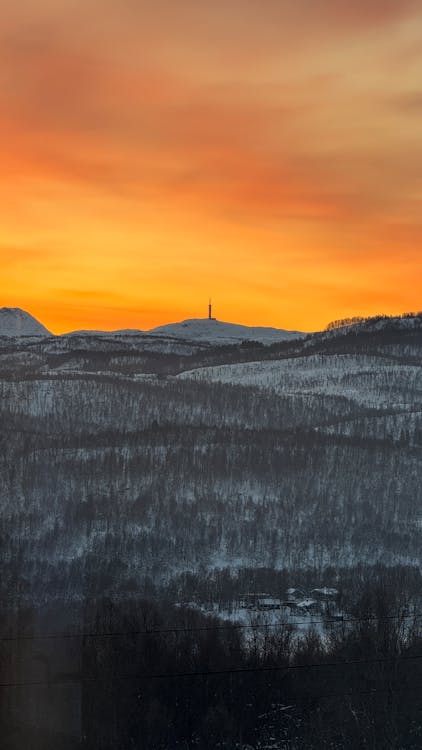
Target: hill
(17, 322)
(132, 464)
(218, 332)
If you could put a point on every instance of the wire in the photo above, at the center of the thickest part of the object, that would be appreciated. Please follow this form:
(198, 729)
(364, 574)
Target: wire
(211, 673)
(339, 620)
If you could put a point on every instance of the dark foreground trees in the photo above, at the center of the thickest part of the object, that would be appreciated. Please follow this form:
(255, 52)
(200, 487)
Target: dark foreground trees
(151, 676)
(178, 680)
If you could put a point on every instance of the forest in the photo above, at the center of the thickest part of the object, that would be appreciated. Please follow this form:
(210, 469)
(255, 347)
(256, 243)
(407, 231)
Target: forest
(150, 486)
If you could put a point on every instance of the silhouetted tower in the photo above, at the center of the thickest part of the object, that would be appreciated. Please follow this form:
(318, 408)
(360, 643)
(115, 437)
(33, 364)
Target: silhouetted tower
(209, 310)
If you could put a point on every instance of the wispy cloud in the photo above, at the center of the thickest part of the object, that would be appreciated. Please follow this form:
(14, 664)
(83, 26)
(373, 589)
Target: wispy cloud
(167, 125)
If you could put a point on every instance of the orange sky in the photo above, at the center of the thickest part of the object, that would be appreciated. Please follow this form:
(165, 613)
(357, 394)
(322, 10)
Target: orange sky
(266, 152)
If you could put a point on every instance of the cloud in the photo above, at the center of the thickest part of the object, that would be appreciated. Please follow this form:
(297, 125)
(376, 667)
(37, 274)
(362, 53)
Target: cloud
(357, 14)
(273, 128)
(407, 103)
(146, 132)
(152, 134)
(21, 255)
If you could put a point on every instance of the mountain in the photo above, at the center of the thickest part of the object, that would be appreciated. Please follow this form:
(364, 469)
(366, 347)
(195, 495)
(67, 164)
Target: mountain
(17, 322)
(130, 463)
(140, 471)
(99, 332)
(218, 332)
(206, 332)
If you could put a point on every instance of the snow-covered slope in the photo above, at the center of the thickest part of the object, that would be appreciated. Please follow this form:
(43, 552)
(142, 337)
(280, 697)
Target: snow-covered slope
(217, 332)
(378, 324)
(100, 332)
(370, 381)
(17, 322)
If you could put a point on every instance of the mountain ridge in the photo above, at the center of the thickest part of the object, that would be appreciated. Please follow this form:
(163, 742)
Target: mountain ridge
(15, 322)
(211, 329)
(18, 323)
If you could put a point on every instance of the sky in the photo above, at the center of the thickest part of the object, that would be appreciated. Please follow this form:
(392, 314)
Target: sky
(265, 152)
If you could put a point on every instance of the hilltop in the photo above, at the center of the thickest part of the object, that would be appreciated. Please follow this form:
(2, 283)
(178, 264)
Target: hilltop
(17, 322)
(219, 332)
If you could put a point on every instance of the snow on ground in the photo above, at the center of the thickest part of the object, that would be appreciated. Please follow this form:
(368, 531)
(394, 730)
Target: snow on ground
(203, 331)
(254, 621)
(370, 381)
(99, 332)
(218, 332)
(406, 322)
(17, 322)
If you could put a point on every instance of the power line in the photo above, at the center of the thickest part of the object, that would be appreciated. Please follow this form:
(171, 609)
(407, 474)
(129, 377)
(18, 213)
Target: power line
(212, 673)
(339, 620)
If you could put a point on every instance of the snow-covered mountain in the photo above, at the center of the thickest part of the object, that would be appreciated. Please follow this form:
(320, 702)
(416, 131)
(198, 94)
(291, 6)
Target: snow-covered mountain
(204, 331)
(218, 332)
(207, 332)
(149, 456)
(17, 322)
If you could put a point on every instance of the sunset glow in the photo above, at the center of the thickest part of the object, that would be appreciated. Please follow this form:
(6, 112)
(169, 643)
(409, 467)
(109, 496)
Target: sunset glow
(266, 152)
